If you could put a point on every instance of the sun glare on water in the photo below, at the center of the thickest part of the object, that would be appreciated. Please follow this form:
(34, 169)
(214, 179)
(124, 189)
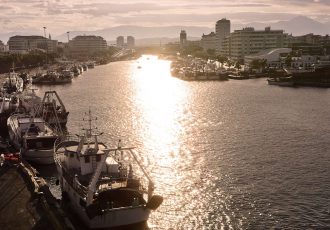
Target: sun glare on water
(160, 98)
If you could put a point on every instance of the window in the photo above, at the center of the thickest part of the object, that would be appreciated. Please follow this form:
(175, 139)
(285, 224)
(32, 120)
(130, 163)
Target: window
(87, 160)
(98, 158)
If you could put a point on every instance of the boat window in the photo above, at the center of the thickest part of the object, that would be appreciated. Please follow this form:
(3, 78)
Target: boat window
(87, 160)
(39, 144)
(47, 143)
(98, 158)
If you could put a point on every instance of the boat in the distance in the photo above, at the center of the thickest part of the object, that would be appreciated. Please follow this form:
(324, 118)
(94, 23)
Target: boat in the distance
(51, 78)
(99, 184)
(281, 81)
(33, 137)
(90, 65)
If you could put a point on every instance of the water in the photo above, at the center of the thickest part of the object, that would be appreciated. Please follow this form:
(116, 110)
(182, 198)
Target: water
(224, 155)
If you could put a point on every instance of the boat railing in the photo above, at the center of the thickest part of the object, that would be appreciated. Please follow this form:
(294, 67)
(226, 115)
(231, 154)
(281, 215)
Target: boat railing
(74, 183)
(65, 141)
(122, 182)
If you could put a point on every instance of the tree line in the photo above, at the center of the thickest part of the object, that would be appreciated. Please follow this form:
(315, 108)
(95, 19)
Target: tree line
(25, 61)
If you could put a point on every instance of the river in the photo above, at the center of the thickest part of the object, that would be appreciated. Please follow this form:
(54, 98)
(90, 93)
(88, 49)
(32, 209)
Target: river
(224, 155)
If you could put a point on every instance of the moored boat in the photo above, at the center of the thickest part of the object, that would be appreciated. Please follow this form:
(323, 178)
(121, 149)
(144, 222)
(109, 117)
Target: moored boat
(8, 104)
(29, 101)
(13, 83)
(51, 78)
(91, 65)
(52, 110)
(99, 184)
(281, 81)
(33, 137)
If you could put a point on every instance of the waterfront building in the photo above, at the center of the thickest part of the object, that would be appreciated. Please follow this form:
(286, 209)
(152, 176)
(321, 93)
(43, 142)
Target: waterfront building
(120, 41)
(2, 47)
(310, 39)
(25, 44)
(130, 42)
(310, 44)
(87, 44)
(183, 38)
(209, 41)
(249, 41)
(222, 30)
(273, 57)
(303, 62)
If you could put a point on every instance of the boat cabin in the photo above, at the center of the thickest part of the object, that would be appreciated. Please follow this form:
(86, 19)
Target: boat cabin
(85, 161)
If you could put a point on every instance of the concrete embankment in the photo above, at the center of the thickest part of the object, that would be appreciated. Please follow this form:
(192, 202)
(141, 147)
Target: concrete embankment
(26, 201)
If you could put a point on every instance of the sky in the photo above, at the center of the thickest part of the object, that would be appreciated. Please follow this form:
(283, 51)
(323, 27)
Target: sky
(60, 16)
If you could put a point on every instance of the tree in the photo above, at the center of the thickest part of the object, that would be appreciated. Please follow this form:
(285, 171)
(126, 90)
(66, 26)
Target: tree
(229, 63)
(288, 60)
(211, 53)
(238, 65)
(222, 59)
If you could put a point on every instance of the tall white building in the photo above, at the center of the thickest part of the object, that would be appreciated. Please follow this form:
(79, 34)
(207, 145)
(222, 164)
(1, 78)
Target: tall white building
(183, 38)
(87, 44)
(120, 41)
(222, 30)
(130, 42)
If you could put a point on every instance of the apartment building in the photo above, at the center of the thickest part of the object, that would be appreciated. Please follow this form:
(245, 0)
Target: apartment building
(249, 41)
(25, 44)
(87, 44)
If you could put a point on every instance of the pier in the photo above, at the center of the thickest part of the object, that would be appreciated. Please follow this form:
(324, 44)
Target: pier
(26, 201)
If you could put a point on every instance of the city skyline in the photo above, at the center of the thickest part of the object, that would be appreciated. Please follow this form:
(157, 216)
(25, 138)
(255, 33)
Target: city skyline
(60, 16)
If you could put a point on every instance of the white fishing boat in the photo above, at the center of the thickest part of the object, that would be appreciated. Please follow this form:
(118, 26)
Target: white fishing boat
(8, 104)
(13, 83)
(33, 137)
(99, 184)
(29, 100)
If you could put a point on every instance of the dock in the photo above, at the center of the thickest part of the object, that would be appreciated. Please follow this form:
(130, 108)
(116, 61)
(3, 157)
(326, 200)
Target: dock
(26, 201)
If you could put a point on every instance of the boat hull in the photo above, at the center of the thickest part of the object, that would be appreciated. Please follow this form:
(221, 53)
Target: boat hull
(37, 156)
(281, 83)
(115, 217)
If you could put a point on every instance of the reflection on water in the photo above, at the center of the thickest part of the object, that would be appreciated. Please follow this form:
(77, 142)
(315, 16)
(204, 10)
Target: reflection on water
(225, 155)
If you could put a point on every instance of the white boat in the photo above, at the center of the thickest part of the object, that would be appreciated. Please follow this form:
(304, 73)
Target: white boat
(13, 83)
(8, 104)
(33, 137)
(29, 100)
(99, 184)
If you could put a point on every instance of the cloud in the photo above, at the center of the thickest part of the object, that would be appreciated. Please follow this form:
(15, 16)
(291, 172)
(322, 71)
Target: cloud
(64, 15)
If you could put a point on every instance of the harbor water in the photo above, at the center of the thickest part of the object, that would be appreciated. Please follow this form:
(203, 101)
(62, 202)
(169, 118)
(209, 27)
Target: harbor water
(224, 155)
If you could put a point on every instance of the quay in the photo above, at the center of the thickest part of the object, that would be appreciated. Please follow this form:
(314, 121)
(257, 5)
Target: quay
(26, 201)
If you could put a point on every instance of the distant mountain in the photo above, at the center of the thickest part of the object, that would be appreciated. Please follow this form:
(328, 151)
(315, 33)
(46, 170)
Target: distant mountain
(140, 32)
(297, 26)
